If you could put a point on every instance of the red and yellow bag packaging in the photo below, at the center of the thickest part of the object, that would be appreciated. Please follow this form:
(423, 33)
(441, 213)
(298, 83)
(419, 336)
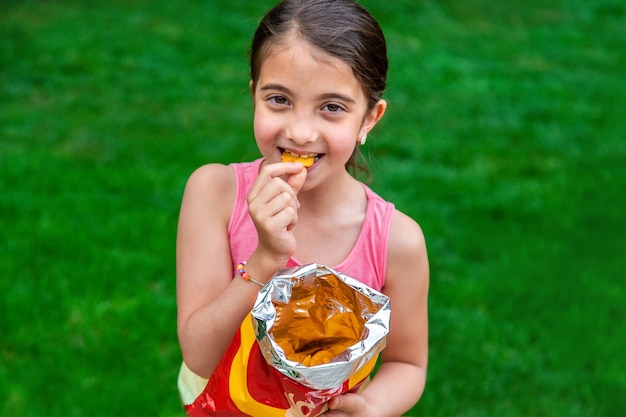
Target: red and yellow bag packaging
(313, 333)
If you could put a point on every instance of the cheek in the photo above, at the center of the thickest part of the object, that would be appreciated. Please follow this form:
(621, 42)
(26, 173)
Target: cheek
(265, 128)
(346, 141)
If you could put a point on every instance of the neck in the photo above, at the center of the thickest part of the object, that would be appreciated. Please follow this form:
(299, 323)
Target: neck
(332, 196)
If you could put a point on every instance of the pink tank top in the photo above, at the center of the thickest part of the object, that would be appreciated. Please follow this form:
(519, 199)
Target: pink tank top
(367, 260)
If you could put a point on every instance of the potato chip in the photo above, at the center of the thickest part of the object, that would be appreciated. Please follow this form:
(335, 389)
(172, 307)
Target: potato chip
(322, 319)
(289, 157)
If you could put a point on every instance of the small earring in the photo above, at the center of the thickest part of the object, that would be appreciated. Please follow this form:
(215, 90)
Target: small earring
(363, 139)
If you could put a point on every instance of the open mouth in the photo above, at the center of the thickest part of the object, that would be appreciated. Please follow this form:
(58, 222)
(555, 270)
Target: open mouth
(305, 159)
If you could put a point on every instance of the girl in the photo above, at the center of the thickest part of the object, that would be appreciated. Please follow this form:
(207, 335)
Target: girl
(318, 71)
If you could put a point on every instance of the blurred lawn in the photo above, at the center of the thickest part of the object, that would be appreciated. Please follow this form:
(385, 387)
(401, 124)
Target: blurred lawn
(505, 138)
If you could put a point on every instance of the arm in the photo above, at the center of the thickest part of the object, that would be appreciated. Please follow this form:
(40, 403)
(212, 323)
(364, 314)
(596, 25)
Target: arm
(211, 304)
(400, 380)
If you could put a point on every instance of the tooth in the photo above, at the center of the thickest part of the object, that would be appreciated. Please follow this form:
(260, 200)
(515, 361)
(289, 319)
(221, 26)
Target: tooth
(303, 156)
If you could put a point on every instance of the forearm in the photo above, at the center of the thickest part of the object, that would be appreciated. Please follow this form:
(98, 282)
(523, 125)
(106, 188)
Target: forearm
(396, 387)
(205, 335)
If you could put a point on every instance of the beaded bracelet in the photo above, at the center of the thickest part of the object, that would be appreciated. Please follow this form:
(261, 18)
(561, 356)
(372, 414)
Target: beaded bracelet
(245, 275)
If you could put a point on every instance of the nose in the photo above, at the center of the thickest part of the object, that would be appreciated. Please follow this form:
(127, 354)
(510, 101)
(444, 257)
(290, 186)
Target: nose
(302, 129)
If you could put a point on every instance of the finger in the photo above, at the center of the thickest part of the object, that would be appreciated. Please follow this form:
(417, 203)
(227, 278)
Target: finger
(296, 181)
(270, 172)
(275, 204)
(286, 218)
(275, 193)
(349, 403)
(332, 404)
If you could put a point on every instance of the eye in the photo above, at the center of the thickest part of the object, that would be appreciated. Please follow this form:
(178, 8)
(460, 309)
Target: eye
(279, 100)
(333, 108)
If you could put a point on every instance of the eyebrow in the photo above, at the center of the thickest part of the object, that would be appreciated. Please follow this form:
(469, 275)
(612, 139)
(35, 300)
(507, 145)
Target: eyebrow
(325, 96)
(339, 96)
(275, 87)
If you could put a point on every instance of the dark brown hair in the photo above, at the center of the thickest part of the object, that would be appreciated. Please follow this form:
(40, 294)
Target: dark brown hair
(342, 28)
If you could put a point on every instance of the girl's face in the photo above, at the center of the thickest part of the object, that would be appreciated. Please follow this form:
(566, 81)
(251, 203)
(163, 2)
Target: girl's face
(309, 103)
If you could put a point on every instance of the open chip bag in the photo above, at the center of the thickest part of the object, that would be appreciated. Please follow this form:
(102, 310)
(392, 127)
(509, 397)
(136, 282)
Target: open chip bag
(312, 334)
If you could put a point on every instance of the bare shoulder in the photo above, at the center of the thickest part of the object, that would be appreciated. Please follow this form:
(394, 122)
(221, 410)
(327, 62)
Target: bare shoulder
(406, 238)
(211, 178)
(202, 243)
(406, 252)
(211, 185)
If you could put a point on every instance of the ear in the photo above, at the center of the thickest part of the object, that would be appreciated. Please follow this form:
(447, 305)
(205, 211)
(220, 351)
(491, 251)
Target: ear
(372, 117)
(252, 88)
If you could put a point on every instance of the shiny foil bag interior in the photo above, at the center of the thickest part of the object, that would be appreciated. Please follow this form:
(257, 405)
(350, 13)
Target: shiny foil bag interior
(318, 326)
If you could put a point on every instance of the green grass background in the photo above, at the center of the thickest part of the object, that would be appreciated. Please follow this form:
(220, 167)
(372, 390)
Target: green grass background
(505, 138)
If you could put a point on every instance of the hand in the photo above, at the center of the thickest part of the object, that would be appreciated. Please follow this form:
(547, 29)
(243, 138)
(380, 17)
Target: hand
(273, 205)
(347, 405)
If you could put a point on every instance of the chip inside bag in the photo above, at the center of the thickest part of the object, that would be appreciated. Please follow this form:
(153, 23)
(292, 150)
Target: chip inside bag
(312, 334)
